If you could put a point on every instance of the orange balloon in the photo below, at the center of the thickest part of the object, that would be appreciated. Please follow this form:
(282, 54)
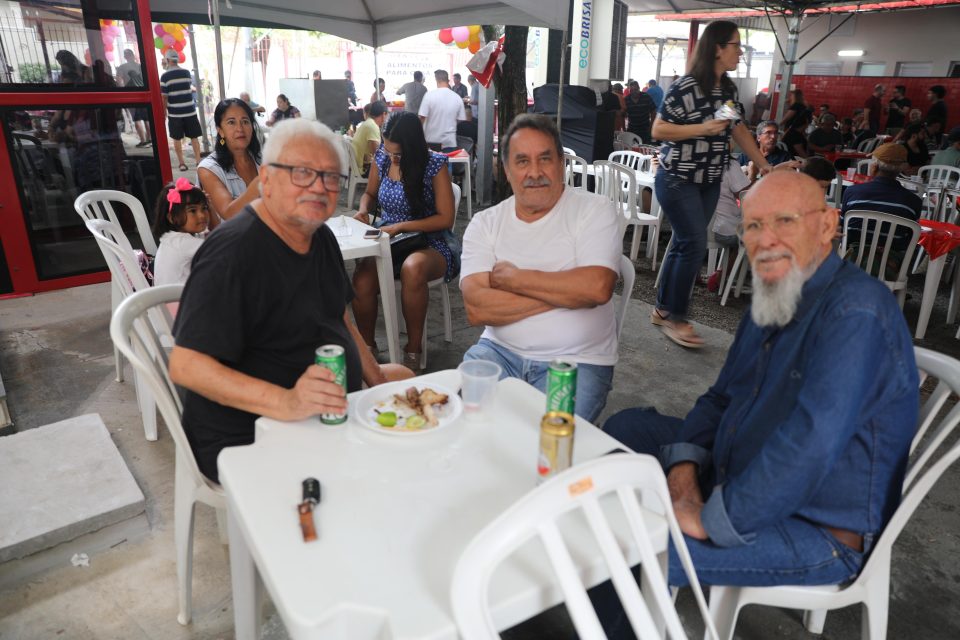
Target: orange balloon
(473, 46)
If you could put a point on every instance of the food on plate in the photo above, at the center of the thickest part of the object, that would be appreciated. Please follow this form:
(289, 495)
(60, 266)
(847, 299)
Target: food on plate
(413, 410)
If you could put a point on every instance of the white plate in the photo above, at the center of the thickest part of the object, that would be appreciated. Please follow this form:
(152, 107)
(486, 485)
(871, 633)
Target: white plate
(380, 398)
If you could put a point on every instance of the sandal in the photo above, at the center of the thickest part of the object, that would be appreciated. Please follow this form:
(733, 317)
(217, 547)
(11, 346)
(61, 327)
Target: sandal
(682, 333)
(183, 167)
(411, 360)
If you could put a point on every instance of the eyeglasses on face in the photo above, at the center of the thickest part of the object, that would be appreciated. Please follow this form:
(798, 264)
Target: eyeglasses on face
(781, 225)
(305, 177)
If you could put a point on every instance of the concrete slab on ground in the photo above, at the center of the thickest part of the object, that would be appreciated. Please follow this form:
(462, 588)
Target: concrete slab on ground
(59, 482)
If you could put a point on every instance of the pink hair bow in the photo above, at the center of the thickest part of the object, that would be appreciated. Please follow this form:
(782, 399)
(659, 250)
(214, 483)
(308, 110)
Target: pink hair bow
(173, 196)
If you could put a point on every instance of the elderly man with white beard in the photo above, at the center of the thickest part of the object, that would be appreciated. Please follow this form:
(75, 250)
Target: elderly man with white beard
(266, 289)
(787, 469)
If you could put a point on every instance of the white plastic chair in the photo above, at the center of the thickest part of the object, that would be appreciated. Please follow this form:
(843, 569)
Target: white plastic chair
(626, 140)
(444, 297)
(618, 183)
(628, 275)
(99, 205)
(632, 159)
(574, 166)
(354, 176)
(863, 166)
(877, 232)
(868, 145)
(535, 516)
(128, 279)
(935, 178)
(133, 331)
(929, 459)
(737, 276)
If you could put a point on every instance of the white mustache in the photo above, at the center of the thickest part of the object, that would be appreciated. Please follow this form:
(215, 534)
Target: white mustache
(537, 182)
(311, 198)
(764, 256)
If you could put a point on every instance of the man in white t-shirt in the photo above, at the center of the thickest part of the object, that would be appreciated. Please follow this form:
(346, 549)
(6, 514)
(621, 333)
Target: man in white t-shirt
(439, 112)
(539, 268)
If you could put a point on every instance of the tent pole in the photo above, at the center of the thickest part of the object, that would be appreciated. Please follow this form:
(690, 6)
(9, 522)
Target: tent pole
(793, 42)
(219, 47)
(200, 102)
(563, 63)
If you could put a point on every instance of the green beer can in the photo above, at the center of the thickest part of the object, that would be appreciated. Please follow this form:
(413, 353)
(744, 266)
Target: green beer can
(562, 386)
(333, 357)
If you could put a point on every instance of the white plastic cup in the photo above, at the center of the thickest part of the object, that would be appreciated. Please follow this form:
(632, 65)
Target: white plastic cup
(851, 171)
(478, 384)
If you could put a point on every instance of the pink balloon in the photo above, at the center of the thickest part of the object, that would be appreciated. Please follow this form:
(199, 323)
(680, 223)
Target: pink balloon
(460, 34)
(168, 39)
(158, 29)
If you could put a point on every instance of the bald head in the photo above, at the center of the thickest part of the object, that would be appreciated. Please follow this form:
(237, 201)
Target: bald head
(786, 223)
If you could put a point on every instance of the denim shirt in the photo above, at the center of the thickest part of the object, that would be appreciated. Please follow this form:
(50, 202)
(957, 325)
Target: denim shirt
(812, 420)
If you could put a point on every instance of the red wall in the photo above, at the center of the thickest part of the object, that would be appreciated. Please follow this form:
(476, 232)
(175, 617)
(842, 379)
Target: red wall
(846, 93)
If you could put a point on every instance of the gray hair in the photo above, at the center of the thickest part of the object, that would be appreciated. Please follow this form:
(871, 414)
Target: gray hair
(536, 121)
(891, 169)
(294, 128)
(767, 123)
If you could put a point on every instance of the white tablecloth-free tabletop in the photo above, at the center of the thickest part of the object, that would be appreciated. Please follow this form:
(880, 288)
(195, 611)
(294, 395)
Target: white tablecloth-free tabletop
(395, 515)
(353, 245)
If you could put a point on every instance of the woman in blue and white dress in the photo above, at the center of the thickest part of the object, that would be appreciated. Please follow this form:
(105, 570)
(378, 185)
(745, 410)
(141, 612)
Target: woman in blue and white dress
(413, 188)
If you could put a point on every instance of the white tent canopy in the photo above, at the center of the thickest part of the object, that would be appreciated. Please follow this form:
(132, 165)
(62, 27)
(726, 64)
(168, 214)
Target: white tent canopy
(370, 22)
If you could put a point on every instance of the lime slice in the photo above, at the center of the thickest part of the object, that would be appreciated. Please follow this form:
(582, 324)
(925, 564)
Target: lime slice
(387, 419)
(415, 422)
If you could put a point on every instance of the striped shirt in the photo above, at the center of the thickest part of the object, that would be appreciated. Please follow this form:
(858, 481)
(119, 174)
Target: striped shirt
(704, 158)
(177, 85)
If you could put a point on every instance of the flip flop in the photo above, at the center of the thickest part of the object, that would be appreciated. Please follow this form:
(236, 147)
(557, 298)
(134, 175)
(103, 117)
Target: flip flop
(183, 167)
(686, 337)
(658, 318)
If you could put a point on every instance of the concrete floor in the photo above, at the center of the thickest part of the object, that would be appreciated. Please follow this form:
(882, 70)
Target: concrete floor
(57, 362)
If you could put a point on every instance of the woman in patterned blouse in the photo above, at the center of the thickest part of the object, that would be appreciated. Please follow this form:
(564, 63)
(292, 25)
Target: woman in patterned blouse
(692, 161)
(412, 186)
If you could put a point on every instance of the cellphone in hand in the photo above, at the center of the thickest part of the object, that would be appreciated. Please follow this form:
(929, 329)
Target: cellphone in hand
(372, 234)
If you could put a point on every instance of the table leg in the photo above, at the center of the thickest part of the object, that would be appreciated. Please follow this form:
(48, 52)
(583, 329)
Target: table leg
(954, 292)
(654, 211)
(388, 298)
(245, 583)
(467, 180)
(930, 284)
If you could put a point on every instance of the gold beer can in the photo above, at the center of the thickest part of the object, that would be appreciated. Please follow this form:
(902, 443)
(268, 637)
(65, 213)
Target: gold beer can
(556, 444)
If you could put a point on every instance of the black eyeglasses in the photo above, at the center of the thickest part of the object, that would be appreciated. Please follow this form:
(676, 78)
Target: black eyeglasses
(305, 177)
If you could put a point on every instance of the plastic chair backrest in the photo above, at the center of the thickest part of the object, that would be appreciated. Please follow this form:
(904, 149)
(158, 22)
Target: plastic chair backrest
(456, 203)
(633, 159)
(618, 183)
(923, 470)
(628, 274)
(570, 165)
(535, 515)
(134, 331)
(877, 228)
(863, 166)
(940, 175)
(351, 155)
(98, 205)
(117, 251)
(628, 139)
(649, 150)
(868, 145)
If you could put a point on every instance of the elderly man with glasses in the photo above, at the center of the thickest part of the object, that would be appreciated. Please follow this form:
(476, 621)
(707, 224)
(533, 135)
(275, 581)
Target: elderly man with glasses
(268, 288)
(787, 469)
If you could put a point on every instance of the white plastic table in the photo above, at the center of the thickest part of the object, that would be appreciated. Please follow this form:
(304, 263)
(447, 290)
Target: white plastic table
(395, 515)
(353, 245)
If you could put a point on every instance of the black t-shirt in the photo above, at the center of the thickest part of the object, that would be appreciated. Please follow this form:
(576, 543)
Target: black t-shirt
(917, 158)
(792, 138)
(640, 111)
(895, 118)
(259, 307)
(938, 113)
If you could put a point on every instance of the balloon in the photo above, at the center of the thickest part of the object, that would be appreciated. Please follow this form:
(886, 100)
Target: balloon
(164, 49)
(168, 27)
(158, 43)
(168, 40)
(474, 29)
(182, 58)
(179, 45)
(460, 34)
(158, 30)
(446, 37)
(474, 37)
(463, 45)
(474, 46)
(108, 46)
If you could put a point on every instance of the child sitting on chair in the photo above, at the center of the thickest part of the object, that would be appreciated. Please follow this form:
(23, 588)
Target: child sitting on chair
(180, 224)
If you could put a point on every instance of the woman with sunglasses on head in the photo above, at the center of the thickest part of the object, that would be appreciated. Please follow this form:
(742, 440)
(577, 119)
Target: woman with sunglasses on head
(412, 186)
(695, 122)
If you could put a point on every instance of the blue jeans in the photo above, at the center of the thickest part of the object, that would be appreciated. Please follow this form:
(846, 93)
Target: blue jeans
(593, 381)
(794, 551)
(689, 206)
